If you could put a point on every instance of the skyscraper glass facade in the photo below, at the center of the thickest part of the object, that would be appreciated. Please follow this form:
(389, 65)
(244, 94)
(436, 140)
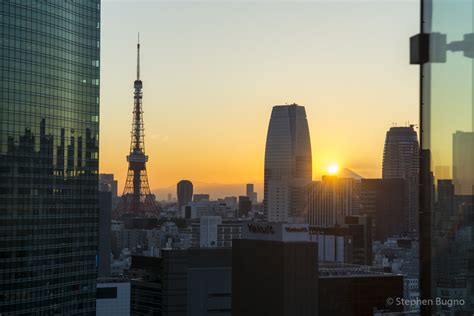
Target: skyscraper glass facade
(447, 142)
(401, 161)
(49, 134)
(288, 164)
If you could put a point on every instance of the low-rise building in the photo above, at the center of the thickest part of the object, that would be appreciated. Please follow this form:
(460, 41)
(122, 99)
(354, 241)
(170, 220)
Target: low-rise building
(212, 232)
(113, 297)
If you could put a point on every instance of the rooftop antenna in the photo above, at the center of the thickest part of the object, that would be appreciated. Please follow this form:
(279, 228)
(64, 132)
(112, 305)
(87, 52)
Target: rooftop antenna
(138, 57)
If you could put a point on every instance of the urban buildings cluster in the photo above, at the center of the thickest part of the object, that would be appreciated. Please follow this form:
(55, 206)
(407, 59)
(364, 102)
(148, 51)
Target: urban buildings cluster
(340, 231)
(70, 245)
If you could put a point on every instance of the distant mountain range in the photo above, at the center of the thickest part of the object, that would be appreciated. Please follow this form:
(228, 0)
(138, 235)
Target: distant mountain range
(215, 190)
(348, 173)
(221, 190)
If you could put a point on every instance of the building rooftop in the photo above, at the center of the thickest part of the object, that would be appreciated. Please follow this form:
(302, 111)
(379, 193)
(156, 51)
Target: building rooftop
(330, 269)
(118, 279)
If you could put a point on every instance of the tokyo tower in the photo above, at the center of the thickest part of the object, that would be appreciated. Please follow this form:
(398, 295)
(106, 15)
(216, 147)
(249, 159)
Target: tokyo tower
(137, 199)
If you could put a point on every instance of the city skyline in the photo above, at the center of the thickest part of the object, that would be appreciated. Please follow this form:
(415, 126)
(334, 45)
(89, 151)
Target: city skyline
(349, 222)
(205, 120)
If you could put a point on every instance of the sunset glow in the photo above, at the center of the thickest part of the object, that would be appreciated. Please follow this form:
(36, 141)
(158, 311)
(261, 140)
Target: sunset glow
(207, 101)
(333, 169)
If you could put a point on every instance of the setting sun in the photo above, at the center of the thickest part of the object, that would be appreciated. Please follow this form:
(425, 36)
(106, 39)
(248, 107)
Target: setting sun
(333, 168)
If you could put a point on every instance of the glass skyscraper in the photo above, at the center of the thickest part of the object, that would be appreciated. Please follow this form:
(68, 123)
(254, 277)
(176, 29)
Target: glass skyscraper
(49, 134)
(288, 164)
(401, 161)
(445, 51)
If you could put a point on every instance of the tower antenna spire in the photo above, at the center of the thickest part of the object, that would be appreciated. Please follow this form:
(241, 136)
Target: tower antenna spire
(138, 57)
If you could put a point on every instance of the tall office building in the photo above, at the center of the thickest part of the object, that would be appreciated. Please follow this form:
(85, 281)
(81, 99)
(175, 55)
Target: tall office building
(384, 200)
(274, 271)
(288, 164)
(184, 191)
(109, 184)
(358, 290)
(105, 233)
(245, 206)
(250, 193)
(445, 204)
(463, 163)
(401, 160)
(249, 190)
(49, 142)
(329, 201)
(194, 282)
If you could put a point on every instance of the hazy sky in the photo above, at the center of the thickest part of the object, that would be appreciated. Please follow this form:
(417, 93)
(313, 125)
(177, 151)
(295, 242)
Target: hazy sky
(212, 70)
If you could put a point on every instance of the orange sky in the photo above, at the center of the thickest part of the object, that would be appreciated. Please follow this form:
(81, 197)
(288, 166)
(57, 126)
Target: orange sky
(212, 72)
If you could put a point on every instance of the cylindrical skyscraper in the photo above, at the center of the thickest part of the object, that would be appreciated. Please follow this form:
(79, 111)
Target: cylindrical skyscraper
(288, 164)
(401, 160)
(184, 192)
(401, 153)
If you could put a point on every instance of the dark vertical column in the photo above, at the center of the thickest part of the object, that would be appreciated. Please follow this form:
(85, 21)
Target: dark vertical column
(105, 211)
(425, 230)
(425, 183)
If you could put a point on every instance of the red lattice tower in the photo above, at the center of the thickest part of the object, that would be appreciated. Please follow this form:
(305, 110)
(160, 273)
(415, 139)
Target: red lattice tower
(137, 199)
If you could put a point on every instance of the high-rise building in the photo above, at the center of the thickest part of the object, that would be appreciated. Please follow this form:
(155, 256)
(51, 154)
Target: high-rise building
(49, 137)
(346, 289)
(245, 205)
(445, 204)
(158, 284)
(249, 189)
(275, 271)
(288, 164)
(463, 163)
(360, 228)
(330, 200)
(250, 193)
(385, 201)
(105, 234)
(254, 198)
(108, 183)
(182, 282)
(184, 191)
(401, 160)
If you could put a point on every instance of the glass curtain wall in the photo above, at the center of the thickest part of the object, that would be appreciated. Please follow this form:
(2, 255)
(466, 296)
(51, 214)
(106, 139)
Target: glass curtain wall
(447, 140)
(49, 134)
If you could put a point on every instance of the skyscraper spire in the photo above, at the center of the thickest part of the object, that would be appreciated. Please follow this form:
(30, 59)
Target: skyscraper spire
(137, 199)
(138, 57)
